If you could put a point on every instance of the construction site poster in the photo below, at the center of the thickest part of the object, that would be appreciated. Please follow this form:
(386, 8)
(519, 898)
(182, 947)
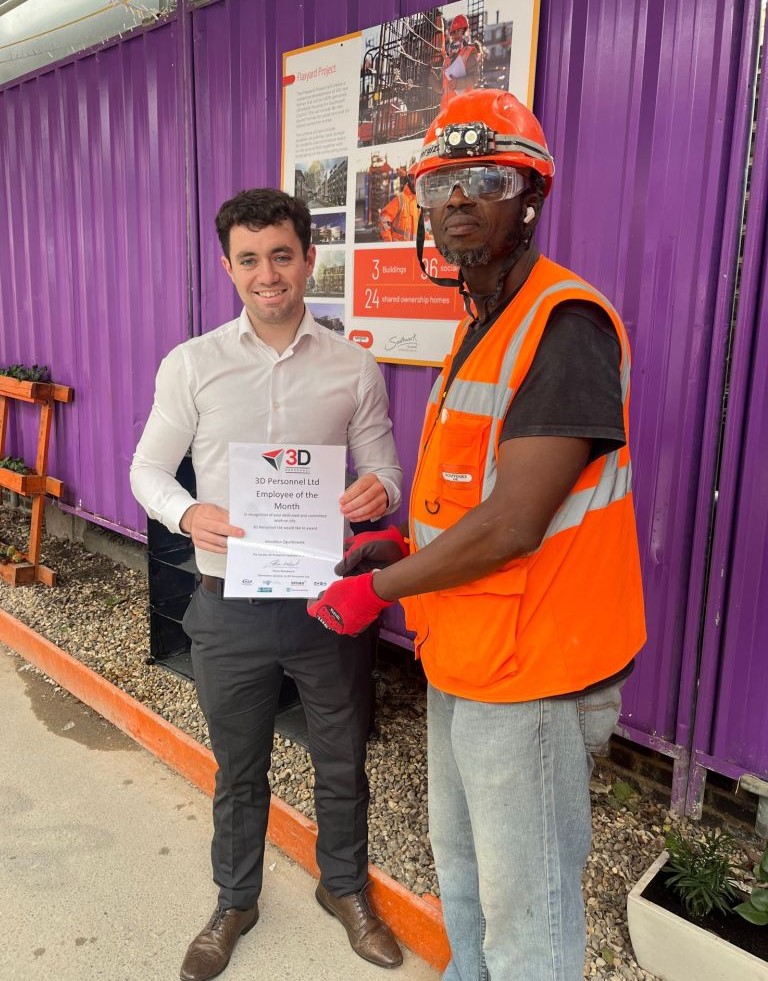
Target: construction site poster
(355, 112)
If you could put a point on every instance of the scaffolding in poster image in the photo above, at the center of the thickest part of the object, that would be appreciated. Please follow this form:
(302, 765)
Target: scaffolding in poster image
(409, 67)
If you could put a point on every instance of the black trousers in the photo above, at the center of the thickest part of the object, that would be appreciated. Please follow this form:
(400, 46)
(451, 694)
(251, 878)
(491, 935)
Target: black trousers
(240, 651)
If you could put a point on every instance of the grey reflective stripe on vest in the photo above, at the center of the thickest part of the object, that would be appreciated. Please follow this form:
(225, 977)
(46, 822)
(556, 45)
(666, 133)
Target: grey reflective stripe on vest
(492, 401)
(424, 534)
(614, 485)
(434, 395)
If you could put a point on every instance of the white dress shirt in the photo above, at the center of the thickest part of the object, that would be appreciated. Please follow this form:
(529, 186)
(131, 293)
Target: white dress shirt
(228, 386)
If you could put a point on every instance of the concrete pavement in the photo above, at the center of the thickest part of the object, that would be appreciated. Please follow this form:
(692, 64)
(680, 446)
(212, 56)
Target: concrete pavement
(104, 860)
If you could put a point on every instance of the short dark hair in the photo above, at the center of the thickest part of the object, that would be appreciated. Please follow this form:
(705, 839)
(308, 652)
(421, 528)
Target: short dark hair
(262, 206)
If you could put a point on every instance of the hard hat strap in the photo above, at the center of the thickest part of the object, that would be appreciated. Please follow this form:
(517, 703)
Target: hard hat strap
(491, 299)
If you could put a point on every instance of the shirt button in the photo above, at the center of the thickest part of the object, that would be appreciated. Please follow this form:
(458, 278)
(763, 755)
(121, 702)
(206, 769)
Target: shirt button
(275, 405)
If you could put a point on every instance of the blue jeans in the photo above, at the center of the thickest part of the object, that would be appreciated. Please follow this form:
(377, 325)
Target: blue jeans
(510, 825)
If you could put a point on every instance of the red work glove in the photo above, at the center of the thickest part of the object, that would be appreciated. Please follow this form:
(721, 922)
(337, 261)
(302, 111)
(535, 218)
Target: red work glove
(348, 606)
(372, 550)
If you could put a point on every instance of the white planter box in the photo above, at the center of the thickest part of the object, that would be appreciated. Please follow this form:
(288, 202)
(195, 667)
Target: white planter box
(675, 950)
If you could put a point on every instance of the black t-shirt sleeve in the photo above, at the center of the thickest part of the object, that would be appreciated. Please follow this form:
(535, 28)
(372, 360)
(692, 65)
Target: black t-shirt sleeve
(573, 387)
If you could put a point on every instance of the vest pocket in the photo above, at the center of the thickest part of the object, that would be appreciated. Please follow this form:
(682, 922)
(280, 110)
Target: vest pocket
(463, 449)
(473, 635)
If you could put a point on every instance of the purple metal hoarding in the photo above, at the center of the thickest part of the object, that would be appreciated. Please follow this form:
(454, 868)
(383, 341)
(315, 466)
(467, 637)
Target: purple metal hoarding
(731, 731)
(696, 685)
(638, 103)
(111, 175)
(92, 176)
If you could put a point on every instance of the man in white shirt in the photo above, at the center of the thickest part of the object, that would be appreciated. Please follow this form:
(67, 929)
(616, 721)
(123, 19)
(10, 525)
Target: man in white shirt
(272, 375)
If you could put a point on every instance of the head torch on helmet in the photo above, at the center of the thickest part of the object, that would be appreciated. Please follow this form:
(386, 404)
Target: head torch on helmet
(465, 140)
(487, 126)
(489, 182)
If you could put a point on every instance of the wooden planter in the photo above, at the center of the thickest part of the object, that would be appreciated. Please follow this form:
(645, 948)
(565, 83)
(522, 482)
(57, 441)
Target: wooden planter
(24, 574)
(675, 949)
(35, 484)
(27, 391)
(29, 484)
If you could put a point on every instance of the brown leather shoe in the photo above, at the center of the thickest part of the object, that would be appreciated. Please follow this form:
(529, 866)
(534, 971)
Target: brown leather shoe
(370, 937)
(210, 951)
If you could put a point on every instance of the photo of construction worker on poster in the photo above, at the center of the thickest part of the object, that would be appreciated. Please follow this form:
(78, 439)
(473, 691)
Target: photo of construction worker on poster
(412, 67)
(355, 112)
(385, 200)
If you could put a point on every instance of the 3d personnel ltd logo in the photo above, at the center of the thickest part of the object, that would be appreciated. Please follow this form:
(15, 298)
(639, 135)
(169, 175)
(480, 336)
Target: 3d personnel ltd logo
(287, 459)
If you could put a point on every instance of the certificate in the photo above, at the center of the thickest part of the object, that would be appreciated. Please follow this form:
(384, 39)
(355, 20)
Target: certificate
(286, 498)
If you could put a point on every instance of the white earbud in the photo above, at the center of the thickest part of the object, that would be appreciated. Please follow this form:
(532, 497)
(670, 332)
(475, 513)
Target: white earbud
(530, 214)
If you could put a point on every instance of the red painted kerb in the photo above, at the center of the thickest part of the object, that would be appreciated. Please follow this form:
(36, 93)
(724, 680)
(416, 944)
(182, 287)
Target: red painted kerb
(415, 920)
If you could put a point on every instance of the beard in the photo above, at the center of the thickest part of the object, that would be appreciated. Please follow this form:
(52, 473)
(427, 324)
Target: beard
(467, 258)
(482, 255)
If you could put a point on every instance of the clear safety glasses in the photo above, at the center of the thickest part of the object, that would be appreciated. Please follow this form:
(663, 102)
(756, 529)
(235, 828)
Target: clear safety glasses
(490, 182)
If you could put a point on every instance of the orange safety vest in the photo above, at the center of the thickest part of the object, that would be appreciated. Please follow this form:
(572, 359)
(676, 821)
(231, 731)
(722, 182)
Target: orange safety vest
(399, 219)
(455, 86)
(567, 616)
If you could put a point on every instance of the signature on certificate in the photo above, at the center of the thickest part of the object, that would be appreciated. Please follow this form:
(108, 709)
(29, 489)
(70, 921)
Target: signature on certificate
(284, 563)
(403, 342)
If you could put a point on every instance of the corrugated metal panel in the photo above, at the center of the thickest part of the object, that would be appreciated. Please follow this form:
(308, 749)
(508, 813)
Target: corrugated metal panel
(732, 723)
(637, 100)
(93, 180)
(640, 101)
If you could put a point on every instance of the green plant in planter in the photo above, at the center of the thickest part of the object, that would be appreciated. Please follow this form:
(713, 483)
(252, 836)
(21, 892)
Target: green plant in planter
(755, 909)
(37, 373)
(701, 871)
(14, 463)
(9, 553)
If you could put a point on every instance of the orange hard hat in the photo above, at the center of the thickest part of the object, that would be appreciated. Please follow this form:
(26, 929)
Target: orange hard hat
(486, 126)
(459, 23)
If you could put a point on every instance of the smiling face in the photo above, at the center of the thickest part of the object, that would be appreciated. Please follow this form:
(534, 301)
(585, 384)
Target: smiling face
(270, 273)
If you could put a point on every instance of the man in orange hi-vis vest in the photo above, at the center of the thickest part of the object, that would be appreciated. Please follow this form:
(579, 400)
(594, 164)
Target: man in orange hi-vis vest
(399, 218)
(520, 573)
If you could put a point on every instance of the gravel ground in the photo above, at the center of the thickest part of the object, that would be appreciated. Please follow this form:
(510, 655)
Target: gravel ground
(98, 614)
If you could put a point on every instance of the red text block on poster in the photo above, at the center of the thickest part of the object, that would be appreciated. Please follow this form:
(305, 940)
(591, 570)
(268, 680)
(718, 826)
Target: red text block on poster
(390, 283)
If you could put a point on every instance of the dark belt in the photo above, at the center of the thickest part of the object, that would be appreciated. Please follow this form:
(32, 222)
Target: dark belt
(215, 585)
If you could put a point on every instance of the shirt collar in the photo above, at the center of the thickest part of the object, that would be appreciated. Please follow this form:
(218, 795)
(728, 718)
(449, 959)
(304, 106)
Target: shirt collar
(243, 324)
(307, 328)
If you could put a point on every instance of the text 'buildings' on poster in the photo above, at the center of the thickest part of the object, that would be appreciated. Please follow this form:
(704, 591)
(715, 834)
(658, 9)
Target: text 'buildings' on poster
(355, 113)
